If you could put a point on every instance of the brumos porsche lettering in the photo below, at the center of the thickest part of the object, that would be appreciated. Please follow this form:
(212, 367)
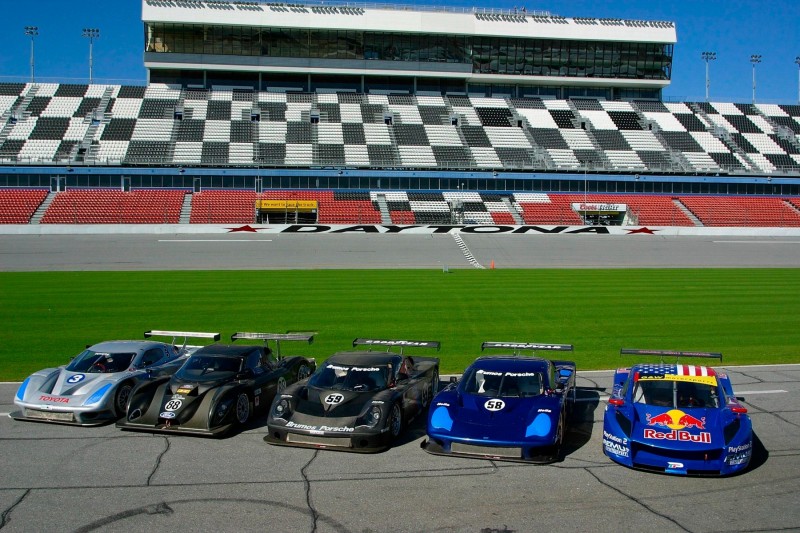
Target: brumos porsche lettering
(331, 429)
(54, 399)
(682, 436)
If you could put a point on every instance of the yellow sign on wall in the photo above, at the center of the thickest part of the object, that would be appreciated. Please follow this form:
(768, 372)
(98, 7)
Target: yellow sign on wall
(282, 205)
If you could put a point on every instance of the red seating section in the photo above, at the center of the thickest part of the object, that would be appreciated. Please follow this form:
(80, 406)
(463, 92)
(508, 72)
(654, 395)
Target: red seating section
(740, 211)
(113, 206)
(163, 206)
(223, 207)
(17, 206)
(238, 207)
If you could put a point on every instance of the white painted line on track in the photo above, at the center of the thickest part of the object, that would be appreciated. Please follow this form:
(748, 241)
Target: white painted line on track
(214, 240)
(756, 242)
(751, 392)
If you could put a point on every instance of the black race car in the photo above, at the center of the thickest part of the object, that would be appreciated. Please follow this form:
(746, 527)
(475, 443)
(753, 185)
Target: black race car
(218, 387)
(357, 401)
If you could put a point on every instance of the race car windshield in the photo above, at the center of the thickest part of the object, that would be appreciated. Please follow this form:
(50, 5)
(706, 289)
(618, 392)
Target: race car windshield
(503, 384)
(92, 362)
(354, 378)
(667, 393)
(200, 367)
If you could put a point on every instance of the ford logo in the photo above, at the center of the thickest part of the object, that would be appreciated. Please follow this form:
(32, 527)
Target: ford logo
(167, 415)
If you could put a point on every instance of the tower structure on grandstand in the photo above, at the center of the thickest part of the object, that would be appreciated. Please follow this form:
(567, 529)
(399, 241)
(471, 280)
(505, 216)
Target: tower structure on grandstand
(365, 48)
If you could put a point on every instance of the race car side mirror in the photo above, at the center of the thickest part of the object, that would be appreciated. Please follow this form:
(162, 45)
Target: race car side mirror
(247, 373)
(453, 379)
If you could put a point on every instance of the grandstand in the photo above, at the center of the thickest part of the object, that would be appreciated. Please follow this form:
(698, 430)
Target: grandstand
(391, 114)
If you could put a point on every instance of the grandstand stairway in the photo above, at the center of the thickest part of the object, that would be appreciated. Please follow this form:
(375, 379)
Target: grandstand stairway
(383, 207)
(186, 209)
(513, 210)
(686, 211)
(36, 218)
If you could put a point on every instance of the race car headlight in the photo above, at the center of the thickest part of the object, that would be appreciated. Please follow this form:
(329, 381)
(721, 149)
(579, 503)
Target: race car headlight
(373, 416)
(222, 410)
(441, 419)
(21, 389)
(282, 408)
(98, 395)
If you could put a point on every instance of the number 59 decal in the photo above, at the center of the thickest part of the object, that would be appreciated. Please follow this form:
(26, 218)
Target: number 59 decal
(494, 405)
(333, 399)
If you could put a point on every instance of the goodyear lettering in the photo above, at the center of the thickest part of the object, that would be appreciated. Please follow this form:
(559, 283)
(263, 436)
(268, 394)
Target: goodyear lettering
(703, 437)
(54, 399)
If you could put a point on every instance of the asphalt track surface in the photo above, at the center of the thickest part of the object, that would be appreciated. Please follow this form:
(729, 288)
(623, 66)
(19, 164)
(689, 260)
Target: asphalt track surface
(62, 478)
(223, 251)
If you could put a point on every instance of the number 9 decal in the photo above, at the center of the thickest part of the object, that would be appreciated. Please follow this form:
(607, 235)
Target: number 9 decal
(494, 405)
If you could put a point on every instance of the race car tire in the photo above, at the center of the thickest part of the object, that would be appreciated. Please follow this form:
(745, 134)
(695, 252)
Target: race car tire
(303, 372)
(121, 399)
(242, 408)
(559, 442)
(395, 422)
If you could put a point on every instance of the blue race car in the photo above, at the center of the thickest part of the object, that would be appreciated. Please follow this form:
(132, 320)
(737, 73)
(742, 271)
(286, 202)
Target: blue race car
(676, 418)
(505, 407)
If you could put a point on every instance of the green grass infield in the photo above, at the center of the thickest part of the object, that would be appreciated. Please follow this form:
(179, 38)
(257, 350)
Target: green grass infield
(750, 315)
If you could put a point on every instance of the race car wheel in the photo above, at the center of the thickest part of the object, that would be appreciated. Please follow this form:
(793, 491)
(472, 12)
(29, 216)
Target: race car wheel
(559, 437)
(121, 399)
(303, 372)
(281, 384)
(242, 408)
(395, 420)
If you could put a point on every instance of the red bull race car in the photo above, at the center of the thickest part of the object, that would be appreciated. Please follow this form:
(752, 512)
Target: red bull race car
(675, 418)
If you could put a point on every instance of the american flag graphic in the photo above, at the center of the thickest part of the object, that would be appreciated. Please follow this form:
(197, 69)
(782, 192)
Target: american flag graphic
(675, 370)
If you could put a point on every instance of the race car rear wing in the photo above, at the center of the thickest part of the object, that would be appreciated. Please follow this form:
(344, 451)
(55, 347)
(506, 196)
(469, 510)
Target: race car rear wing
(671, 353)
(277, 337)
(394, 343)
(517, 347)
(178, 334)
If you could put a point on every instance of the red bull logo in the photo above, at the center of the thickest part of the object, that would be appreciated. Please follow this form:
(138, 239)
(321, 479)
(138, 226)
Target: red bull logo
(676, 419)
(678, 422)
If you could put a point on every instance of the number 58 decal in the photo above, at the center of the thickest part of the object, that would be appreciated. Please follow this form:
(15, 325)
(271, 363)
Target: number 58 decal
(494, 405)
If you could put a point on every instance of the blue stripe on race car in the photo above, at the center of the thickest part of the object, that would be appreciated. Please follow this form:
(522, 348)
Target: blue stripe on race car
(97, 396)
(441, 419)
(21, 390)
(540, 426)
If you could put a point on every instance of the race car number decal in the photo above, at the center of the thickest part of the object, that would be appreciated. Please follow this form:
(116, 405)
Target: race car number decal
(494, 405)
(173, 405)
(77, 378)
(333, 399)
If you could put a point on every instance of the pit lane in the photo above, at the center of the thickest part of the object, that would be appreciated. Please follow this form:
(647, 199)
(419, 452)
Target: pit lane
(62, 478)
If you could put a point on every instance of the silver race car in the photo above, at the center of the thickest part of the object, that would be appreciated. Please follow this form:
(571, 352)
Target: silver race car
(94, 387)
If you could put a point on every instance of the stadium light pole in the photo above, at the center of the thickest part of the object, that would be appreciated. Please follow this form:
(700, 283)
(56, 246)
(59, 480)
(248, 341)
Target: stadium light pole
(708, 56)
(32, 32)
(755, 59)
(797, 62)
(91, 34)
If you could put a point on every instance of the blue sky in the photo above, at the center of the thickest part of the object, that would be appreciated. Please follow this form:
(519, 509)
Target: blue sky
(734, 29)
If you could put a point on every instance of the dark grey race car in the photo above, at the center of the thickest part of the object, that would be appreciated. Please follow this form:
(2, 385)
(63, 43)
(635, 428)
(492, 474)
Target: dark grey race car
(219, 387)
(357, 401)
